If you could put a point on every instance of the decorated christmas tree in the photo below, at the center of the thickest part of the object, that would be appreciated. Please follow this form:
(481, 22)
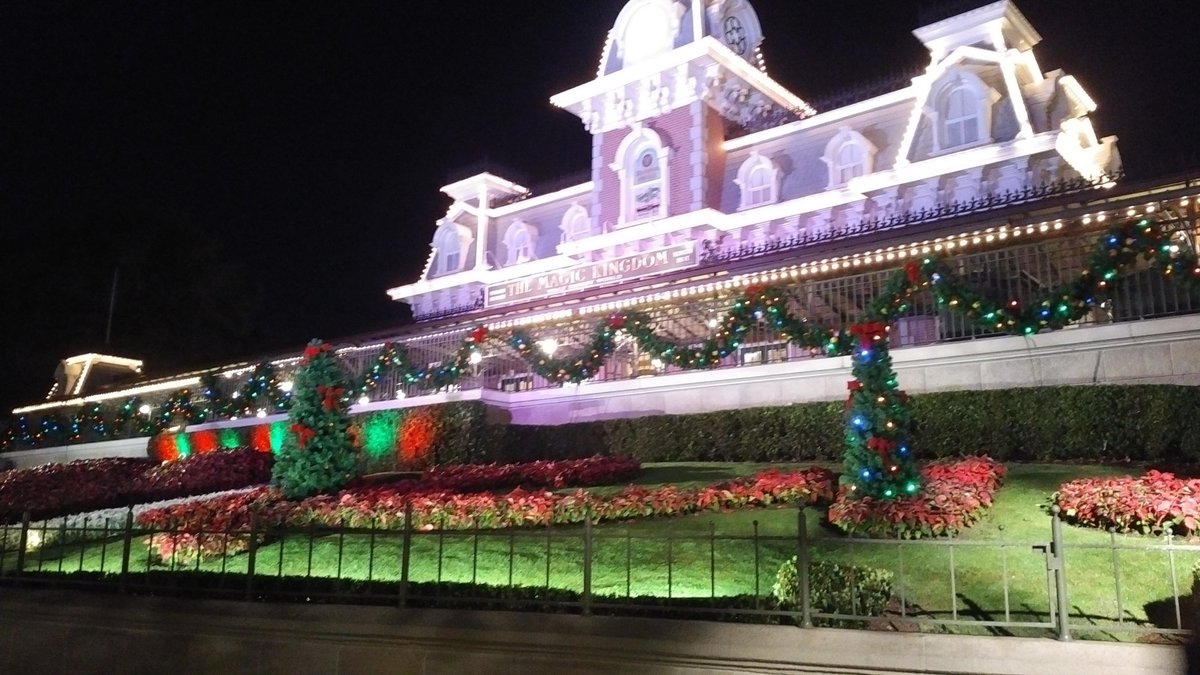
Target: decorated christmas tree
(317, 455)
(879, 459)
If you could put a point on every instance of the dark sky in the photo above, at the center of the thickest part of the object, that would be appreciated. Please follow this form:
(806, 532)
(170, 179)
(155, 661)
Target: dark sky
(306, 141)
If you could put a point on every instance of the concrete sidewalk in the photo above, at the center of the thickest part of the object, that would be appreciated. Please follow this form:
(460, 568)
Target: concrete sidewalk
(63, 632)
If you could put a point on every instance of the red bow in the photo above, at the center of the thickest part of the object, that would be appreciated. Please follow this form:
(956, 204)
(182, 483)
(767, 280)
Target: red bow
(616, 322)
(332, 396)
(479, 335)
(881, 445)
(868, 333)
(854, 385)
(303, 434)
(311, 351)
(913, 270)
(755, 290)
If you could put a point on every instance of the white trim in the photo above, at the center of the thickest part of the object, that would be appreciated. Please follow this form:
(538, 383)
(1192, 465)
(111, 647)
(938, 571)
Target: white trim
(628, 151)
(847, 137)
(821, 119)
(575, 213)
(468, 188)
(542, 200)
(124, 393)
(707, 48)
(754, 163)
(446, 230)
(513, 249)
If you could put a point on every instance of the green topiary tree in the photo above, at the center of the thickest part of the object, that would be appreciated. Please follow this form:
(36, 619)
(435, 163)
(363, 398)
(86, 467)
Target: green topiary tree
(318, 455)
(879, 459)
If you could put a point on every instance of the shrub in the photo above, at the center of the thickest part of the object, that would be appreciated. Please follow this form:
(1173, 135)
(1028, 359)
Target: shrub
(1151, 504)
(955, 494)
(1105, 423)
(835, 588)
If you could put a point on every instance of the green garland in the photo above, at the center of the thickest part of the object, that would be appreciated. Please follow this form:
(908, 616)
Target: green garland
(759, 305)
(1115, 253)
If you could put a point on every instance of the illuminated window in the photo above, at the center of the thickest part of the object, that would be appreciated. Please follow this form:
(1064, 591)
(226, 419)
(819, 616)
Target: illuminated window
(519, 242)
(961, 115)
(759, 182)
(961, 108)
(641, 167)
(849, 155)
(451, 244)
(576, 224)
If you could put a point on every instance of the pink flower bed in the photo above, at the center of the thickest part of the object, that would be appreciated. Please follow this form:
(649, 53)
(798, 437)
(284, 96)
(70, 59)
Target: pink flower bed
(200, 528)
(87, 485)
(954, 495)
(1151, 504)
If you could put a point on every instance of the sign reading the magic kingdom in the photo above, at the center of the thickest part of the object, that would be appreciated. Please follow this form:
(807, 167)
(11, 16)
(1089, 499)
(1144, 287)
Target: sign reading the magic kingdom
(588, 275)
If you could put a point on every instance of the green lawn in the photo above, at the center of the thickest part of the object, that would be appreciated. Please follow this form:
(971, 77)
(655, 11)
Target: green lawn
(998, 575)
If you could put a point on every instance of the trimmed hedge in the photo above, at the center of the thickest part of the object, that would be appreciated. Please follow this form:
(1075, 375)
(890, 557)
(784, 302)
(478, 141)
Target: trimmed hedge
(1144, 423)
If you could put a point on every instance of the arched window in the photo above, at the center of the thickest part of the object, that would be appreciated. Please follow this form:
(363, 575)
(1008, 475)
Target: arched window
(849, 155)
(850, 162)
(576, 224)
(641, 166)
(960, 115)
(759, 182)
(959, 110)
(451, 243)
(520, 241)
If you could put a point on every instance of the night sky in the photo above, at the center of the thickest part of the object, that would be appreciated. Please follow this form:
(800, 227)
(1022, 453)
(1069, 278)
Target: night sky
(285, 158)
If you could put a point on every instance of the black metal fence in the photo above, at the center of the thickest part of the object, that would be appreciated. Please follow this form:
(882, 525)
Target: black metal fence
(964, 585)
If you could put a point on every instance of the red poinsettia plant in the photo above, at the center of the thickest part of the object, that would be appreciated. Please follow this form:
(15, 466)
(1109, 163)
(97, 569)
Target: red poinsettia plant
(1155, 503)
(955, 494)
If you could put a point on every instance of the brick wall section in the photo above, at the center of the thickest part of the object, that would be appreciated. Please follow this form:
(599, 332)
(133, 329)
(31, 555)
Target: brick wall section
(714, 172)
(608, 186)
(675, 129)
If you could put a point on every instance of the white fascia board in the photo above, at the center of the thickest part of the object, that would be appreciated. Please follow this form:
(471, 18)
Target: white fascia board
(530, 268)
(959, 161)
(542, 200)
(105, 359)
(657, 228)
(124, 393)
(628, 76)
(439, 284)
(480, 277)
(821, 119)
(717, 50)
(1075, 90)
(468, 188)
(708, 47)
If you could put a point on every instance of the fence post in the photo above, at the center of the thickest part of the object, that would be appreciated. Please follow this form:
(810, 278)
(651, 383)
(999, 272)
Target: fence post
(126, 549)
(802, 568)
(1058, 564)
(405, 552)
(251, 554)
(22, 544)
(587, 562)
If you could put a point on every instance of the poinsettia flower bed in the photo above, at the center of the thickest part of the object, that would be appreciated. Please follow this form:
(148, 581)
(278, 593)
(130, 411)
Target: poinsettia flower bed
(955, 494)
(92, 525)
(202, 528)
(1155, 503)
(56, 490)
(596, 470)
